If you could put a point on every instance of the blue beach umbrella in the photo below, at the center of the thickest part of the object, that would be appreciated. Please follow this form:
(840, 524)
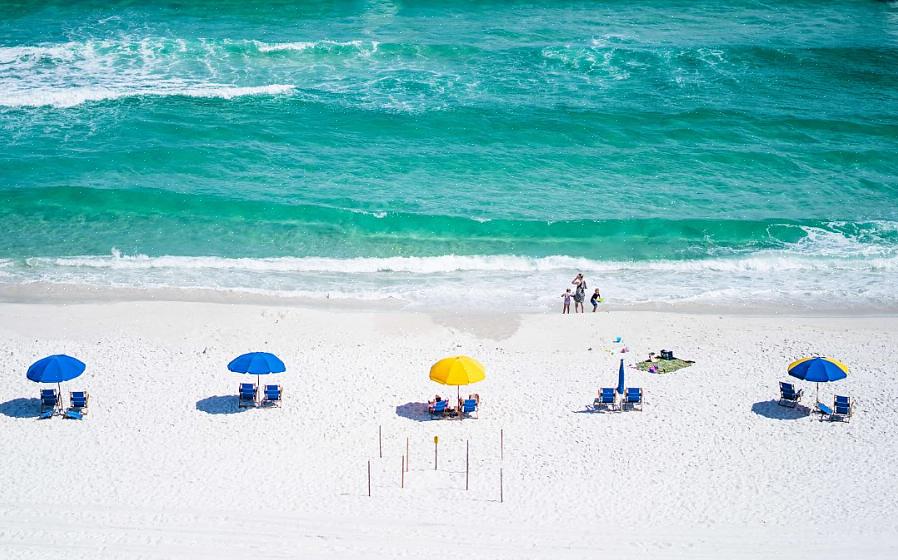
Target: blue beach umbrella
(620, 378)
(257, 363)
(55, 369)
(818, 369)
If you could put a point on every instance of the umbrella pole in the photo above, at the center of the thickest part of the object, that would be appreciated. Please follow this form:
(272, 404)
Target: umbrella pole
(59, 395)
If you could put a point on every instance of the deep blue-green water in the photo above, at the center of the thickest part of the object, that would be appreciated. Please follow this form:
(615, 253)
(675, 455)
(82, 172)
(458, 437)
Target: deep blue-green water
(448, 152)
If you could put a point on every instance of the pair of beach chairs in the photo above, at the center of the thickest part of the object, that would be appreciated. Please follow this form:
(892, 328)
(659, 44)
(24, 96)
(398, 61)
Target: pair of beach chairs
(272, 395)
(841, 409)
(607, 399)
(467, 408)
(51, 404)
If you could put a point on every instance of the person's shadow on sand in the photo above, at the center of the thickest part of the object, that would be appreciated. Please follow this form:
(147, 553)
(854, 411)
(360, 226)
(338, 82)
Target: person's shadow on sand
(219, 404)
(772, 409)
(414, 411)
(21, 408)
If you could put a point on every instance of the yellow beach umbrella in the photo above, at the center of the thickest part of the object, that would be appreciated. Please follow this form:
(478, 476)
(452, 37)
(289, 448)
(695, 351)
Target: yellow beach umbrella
(457, 370)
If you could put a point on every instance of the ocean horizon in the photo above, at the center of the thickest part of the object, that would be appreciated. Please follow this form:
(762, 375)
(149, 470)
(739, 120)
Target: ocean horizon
(475, 154)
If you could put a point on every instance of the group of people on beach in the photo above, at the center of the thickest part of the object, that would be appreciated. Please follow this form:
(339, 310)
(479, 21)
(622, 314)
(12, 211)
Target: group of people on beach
(579, 296)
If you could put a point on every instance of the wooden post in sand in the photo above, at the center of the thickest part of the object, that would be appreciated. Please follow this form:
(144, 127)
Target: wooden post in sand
(402, 476)
(380, 442)
(436, 440)
(501, 497)
(501, 444)
(467, 469)
(369, 479)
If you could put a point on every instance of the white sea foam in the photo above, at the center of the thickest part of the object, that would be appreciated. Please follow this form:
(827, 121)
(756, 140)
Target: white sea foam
(70, 97)
(766, 278)
(69, 74)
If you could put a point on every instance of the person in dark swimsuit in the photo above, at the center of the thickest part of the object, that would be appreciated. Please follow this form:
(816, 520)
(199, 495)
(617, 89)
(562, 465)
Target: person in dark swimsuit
(595, 299)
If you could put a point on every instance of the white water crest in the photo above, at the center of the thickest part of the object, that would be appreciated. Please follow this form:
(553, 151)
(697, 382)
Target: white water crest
(782, 278)
(69, 74)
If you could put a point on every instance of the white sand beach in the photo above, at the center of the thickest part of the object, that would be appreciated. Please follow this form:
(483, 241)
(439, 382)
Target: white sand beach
(164, 466)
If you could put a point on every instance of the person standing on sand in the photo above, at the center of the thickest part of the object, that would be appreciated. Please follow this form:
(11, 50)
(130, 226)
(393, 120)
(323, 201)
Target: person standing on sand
(580, 294)
(567, 302)
(595, 299)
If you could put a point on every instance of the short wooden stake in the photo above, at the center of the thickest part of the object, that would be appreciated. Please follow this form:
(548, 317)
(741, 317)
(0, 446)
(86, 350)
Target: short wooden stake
(369, 479)
(436, 440)
(501, 445)
(380, 442)
(501, 497)
(467, 469)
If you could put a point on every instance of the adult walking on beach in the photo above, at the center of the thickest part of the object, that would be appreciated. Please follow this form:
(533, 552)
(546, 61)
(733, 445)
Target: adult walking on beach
(580, 295)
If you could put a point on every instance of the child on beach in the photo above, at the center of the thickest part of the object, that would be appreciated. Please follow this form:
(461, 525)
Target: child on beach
(567, 302)
(595, 299)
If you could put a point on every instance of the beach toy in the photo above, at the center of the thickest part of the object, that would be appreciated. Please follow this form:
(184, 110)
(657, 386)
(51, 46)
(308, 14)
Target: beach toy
(624, 350)
(617, 339)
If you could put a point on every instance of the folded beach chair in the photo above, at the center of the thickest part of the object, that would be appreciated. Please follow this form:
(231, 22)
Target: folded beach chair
(78, 405)
(607, 399)
(439, 408)
(469, 407)
(49, 402)
(788, 395)
(247, 395)
(272, 396)
(633, 397)
(842, 409)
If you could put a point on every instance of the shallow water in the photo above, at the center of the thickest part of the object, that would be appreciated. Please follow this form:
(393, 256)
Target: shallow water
(480, 152)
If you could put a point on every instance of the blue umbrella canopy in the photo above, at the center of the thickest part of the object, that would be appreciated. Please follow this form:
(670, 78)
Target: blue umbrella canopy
(620, 378)
(55, 369)
(818, 369)
(257, 363)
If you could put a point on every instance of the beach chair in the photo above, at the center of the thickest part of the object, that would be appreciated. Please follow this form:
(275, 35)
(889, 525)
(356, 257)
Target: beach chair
(607, 399)
(788, 396)
(633, 397)
(247, 395)
(469, 407)
(49, 402)
(272, 396)
(438, 409)
(842, 409)
(77, 405)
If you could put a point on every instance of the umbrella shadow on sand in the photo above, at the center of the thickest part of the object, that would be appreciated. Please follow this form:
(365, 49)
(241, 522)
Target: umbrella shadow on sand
(219, 404)
(21, 408)
(414, 411)
(772, 409)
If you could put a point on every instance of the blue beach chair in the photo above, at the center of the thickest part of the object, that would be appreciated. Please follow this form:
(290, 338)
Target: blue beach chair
(788, 396)
(606, 400)
(438, 409)
(633, 398)
(49, 402)
(247, 395)
(273, 395)
(470, 407)
(842, 409)
(78, 405)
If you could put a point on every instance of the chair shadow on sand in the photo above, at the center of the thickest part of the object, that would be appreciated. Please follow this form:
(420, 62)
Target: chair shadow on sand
(219, 404)
(21, 408)
(414, 411)
(772, 409)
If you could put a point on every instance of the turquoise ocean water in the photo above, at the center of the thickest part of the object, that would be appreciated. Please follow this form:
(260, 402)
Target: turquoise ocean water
(455, 153)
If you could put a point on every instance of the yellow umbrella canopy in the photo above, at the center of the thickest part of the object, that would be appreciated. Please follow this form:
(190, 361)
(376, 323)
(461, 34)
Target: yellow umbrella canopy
(457, 370)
